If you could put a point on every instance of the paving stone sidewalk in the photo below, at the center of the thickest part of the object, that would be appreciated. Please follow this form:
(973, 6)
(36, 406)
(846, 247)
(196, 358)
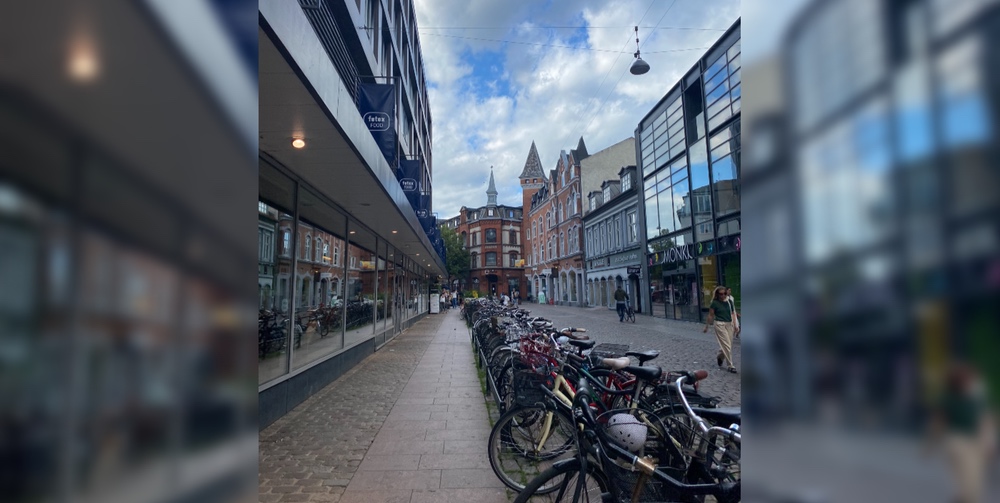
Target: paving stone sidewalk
(408, 424)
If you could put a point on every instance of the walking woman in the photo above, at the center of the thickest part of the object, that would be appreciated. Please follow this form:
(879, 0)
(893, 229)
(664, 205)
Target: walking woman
(721, 316)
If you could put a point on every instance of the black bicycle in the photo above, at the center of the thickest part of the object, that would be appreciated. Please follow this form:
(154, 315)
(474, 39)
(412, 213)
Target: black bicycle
(629, 313)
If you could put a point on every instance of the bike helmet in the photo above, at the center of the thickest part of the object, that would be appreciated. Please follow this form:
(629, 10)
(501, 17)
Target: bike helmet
(627, 431)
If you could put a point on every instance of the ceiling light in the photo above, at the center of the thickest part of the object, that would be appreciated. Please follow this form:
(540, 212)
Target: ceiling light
(393, 232)
(418, 254)
(83, 64)
(352, 232)
(298, 143)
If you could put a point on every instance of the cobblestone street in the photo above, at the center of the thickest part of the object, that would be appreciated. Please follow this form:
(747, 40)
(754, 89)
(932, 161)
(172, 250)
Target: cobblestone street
(682, 344)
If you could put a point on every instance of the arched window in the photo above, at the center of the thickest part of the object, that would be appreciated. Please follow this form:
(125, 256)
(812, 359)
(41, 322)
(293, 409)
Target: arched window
(319, 251)
(306, 250)
(336, 254)
(286, 243)
(326, 252)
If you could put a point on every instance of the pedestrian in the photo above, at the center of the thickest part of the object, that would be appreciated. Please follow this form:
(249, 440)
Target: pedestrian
(620, 298)
(506, 300)
(721, 316)
(736, 315)
(454, 300)
(517, 297)
(965, 425)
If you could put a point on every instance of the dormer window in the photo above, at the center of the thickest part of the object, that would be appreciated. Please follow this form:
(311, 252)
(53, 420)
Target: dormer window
(607, 192)
(626, 181)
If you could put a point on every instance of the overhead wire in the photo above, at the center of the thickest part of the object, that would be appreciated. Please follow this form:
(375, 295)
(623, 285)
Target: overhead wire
(598, 111)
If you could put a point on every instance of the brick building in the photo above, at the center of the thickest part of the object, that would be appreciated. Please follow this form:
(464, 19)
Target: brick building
(554, 227)
(493, 236)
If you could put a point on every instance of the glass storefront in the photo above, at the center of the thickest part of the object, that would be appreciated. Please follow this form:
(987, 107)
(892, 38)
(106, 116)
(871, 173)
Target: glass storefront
(325, 283)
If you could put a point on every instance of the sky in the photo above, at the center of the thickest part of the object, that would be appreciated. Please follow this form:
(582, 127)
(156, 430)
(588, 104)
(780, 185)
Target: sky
(502, 74)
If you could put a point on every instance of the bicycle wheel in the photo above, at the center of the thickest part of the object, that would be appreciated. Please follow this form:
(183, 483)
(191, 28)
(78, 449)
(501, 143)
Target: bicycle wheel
(514, 451)
(563, 478)
(631, 315)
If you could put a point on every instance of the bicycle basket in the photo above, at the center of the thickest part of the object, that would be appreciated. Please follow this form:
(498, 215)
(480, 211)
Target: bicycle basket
(528, 382)
(607, 350)
(719, 456)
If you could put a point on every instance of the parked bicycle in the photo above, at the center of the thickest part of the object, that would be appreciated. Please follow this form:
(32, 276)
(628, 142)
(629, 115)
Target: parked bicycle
(611, 461)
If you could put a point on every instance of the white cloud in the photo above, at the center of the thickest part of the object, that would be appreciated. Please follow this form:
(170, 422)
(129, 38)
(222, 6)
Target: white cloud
(555, 93)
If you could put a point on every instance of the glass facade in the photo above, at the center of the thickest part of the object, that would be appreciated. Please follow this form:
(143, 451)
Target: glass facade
(325, 283)
(690, 150)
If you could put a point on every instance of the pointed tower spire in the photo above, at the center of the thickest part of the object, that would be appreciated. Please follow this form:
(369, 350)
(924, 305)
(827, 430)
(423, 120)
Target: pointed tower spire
(533, 165)
(491, 192)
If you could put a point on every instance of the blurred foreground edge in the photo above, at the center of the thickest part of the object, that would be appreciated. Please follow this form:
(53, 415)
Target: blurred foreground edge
(871, 194)
(127, 142)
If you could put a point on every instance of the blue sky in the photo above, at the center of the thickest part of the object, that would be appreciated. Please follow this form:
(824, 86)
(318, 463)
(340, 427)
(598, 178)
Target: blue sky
(502, 74)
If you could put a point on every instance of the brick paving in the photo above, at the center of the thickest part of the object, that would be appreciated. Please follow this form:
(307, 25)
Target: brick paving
(409, 424)
(682, 344)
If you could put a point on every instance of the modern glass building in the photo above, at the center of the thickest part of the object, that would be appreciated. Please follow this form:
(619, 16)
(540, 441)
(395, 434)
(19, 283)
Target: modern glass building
(344, 264)
(892, 140)
(688, 148)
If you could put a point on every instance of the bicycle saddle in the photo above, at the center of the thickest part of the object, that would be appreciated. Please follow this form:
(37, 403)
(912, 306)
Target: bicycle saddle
(643, 356)
(582, 344)
(722, 416)
(616, 363)
(650, 373)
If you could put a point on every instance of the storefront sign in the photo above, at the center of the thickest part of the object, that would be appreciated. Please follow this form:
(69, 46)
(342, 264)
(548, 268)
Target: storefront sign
(671, 255)
(633, 269)
(377, 104)
(705, 248)
(624, 258)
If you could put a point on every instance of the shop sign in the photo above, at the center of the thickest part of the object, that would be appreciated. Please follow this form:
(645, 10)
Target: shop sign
(623, 258)
(729, 243)
(671, 255)
(705, 248)
(600, 262)
(633, 269)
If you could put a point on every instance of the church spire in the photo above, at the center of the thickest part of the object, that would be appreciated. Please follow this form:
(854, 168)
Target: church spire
(491, 192)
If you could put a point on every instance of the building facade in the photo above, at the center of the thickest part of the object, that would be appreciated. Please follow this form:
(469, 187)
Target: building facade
(351, 265)
(688, 148)
(554, 227)
(493, 236)
(614, 253)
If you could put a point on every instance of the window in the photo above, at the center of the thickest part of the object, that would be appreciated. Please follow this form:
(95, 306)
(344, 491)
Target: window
(306, 249)
(550, 249)
(513, 237)
(326, 252)
(354, 262)
(319, 251)
(491, 235)
(491, 259)
(286, 243)
(475, 239)
(607, 193)
(475, 260)
(513, 260)
(489, 213)
(632, 235)
(336, 255)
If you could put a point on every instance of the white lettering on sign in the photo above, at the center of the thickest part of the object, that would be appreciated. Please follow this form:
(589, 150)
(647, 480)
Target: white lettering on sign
(377, 121)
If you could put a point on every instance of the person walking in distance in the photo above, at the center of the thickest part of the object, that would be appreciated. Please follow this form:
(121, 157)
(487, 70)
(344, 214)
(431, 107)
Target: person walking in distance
(620, 298)
(736, 316)
(721, 316)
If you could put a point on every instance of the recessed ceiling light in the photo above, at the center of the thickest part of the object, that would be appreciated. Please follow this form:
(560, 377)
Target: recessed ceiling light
(418, 254)
(352, 232)
(393, 232)
(298, 143)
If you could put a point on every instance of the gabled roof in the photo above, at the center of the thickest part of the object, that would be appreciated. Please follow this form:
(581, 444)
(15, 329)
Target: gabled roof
(533, 165)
